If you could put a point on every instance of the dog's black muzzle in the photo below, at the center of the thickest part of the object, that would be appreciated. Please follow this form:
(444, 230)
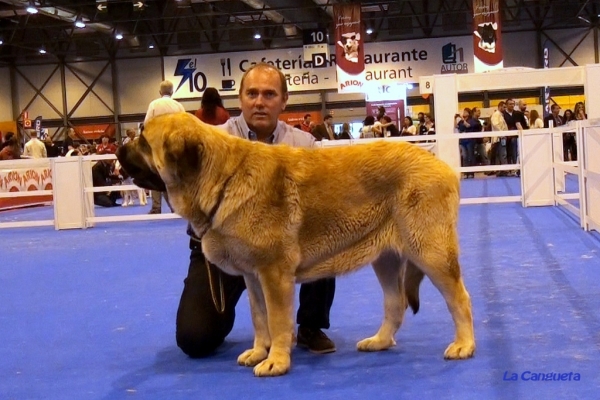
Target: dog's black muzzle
(134, 164)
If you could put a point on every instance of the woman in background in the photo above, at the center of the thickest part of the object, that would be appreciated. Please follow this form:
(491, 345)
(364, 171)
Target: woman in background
(211, 108)
(345, 133)
(535, 122)
(408, 128)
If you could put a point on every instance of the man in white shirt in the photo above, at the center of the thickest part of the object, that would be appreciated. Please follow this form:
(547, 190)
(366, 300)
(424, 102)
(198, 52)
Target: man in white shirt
(164, 105)
(34, 148)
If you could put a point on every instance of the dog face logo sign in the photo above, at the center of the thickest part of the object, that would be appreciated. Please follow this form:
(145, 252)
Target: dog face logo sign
(351, 46)
(453, 60)
(486, 33)
(186, 68)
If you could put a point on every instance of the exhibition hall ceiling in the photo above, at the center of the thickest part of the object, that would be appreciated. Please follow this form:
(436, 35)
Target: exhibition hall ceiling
(125, 28)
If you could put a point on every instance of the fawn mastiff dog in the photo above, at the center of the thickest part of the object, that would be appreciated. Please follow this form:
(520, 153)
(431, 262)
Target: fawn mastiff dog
(276, 215)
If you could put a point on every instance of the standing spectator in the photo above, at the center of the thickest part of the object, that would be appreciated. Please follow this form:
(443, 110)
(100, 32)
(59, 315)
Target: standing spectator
(34, 148)
(389, 126)
(345, 133)
(306, 125)
(536, 121)
(10, 149)
(421, 128)
(554, 117)
(408, 128)
(369, 130)
(129, 136)
(51, 148)
(211, 108)
(164, 105)
(324, 130)
(467, 146)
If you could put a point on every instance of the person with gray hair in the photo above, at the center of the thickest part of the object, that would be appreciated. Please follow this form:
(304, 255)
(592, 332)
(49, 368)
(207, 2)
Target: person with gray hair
(163, 105)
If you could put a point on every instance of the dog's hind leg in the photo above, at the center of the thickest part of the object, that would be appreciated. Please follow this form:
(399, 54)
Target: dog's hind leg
(439, 261)
(262, 340)
(388, 268)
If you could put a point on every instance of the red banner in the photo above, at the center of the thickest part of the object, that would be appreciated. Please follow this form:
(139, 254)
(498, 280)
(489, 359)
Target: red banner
(24, 180)
(349, 48)
(93, 132)
(487, 35)
(296, 118)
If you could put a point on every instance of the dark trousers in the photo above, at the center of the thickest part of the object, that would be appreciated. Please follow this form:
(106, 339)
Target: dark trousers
(106, 200)
(207, 306)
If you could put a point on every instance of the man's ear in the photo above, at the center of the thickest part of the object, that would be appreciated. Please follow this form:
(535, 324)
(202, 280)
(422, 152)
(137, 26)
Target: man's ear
(286, 97)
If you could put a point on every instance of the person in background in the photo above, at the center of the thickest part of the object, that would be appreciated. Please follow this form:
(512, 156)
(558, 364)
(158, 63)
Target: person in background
(369, 130)
(408, 128)
(163, 105)
(306, 125)
(324, 130)
(211, 109)
(10, 149)
(345, 133)
(105, 146)
(52, 149)
(536, 121)
(129, 136)
(467, 146)
(34, 148)
(389, 126)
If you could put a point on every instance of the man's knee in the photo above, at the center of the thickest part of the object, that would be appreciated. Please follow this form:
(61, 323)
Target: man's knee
(198, 343)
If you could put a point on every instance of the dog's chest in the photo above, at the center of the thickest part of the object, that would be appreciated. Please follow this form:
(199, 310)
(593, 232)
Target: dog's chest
(228, 257)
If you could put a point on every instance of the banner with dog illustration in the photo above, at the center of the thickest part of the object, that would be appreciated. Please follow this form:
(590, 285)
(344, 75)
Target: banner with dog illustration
(349, 48)
(487, 35)
(24, 180)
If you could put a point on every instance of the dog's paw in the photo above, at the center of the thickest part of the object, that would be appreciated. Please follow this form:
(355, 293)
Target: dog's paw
(251, 357)
(459, 350)
(273, 366)
(375, 343)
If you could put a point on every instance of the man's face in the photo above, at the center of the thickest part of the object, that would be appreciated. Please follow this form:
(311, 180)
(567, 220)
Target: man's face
(555, 110)
(329, 121)
(307, 120)
(104, 140)
(421, 117)
(261, 100)
(522, 106)
(510, 106)
(477, 113)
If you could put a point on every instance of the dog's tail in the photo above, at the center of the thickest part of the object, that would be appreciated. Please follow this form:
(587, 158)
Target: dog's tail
(412, 280)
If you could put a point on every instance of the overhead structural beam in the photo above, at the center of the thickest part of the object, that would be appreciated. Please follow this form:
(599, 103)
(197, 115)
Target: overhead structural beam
(289, 28)
(66, 14)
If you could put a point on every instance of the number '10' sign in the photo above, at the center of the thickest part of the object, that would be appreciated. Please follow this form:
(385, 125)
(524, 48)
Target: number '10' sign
(314, 36)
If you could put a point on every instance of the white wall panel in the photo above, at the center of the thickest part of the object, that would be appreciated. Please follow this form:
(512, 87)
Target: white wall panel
(91, 106)
(6, 111)
(139, 81)
(37, 75)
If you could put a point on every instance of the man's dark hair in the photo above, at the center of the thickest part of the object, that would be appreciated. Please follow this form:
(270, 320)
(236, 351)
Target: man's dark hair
(326, 117)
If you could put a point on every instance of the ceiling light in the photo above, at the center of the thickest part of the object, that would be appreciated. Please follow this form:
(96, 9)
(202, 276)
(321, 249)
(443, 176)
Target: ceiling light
(257, 36)
(31, 9)
(1, 41)
(150, 46)
(118, 36)
(42, 50)
(369, 31)
(79, 23)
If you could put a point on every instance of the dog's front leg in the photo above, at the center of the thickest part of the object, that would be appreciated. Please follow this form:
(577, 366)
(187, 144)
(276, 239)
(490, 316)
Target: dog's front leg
(262, 340)
(278, 288)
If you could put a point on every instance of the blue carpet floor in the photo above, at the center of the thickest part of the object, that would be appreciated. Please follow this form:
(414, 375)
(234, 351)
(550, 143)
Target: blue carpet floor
(89, 314)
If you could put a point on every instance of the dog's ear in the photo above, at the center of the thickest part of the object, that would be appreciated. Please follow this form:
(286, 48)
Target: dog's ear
(182, 157)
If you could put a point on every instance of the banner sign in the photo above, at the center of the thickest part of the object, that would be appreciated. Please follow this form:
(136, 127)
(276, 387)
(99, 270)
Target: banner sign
(24, 180)
(316, 48)
(388, 62)
(349, 49)
(296, 118)
(487, 35)
(546, 88)
(93, 132)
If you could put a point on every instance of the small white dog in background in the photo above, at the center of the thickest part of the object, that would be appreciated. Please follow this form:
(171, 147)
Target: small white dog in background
(129, 195)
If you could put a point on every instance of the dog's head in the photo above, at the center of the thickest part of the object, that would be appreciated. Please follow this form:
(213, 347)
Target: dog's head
(166, 154)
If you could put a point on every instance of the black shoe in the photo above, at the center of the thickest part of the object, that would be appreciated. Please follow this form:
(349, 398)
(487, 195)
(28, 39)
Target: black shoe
(314, 340)
(153, 211)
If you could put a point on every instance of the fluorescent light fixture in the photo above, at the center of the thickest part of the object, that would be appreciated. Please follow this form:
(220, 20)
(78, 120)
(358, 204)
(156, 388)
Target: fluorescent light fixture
(257, 36)
(150, 46)
(79, 23)
(42, 50)
(409, 86)
(119, 36)
(369, 31)
(31, 10)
